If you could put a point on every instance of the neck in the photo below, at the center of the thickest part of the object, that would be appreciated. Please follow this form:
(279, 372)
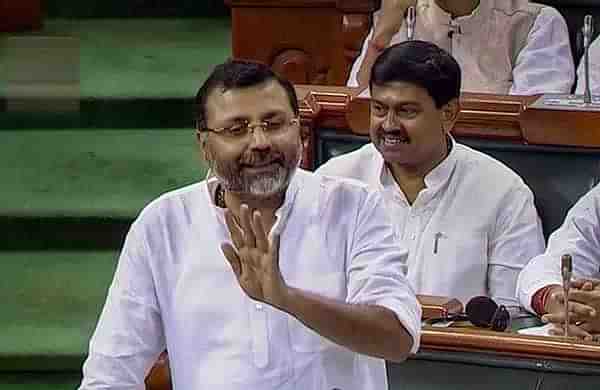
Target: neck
(458, 8)
(267, 205)
(411, 177)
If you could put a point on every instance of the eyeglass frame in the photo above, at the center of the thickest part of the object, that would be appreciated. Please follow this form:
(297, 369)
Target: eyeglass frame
(264, 125)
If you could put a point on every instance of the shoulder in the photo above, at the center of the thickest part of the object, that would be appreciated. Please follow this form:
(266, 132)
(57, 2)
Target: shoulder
(487, 172)
(355, 164)
(174, 204)
(511, 7)
(337, 194)
(588, 203)
(547, 14)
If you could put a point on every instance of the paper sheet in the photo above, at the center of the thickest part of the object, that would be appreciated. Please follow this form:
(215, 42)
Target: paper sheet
(537, 330)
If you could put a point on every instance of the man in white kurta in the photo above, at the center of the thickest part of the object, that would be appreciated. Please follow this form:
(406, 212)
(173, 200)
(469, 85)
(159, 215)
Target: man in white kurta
(472, 225)
(579, 236)
(594, 70)
(239, 305)
(503, 46)
(469, 233)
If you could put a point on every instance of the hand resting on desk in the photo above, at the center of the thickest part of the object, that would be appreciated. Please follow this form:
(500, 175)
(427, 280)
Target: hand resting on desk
(584, 307)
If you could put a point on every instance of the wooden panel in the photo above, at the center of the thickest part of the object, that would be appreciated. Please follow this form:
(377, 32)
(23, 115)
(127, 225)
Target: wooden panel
(20, 15)
(548, 124)
(511, 344)
(304, 45)
(362, 6)
(481, 116)
(306, 41)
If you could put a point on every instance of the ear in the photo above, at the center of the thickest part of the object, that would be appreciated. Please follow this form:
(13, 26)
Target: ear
(203, 148)
(450, 114)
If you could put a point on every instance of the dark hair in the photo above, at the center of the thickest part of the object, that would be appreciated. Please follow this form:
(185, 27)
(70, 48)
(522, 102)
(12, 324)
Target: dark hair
(240, 74)
(420, 63)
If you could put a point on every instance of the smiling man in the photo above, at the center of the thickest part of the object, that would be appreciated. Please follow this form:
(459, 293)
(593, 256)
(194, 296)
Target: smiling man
(263, 276)
(469, 221)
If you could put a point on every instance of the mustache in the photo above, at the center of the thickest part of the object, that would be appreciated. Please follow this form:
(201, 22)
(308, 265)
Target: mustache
(256, 158)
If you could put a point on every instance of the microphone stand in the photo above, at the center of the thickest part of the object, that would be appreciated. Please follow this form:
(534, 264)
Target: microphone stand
(411, 19)
(588, 31)
(566, 271)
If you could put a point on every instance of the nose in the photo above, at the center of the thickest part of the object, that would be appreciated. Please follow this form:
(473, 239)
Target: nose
(390, 121)
(259, 140)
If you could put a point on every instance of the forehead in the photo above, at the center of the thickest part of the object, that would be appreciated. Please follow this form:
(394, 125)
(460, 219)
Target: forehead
(400, 92)
(248, 102)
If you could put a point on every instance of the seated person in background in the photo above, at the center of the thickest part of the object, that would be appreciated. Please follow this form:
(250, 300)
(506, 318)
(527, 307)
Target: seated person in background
(540, 282)
(594, 70)
(264, 276)
(470, 222)
(503, 46)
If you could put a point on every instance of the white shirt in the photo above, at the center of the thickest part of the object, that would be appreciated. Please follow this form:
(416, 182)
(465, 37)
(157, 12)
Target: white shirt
(594, 70)
(470, 231)
(174, 288)
(579, 236)
(493, 52)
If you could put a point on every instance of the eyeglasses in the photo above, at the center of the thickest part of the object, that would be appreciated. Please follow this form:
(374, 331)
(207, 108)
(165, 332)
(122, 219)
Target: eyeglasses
(242, 129)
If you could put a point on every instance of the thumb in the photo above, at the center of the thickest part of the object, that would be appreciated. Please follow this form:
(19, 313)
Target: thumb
(233, 258)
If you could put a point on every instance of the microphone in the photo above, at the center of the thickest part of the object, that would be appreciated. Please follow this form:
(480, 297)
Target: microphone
(411, 20)
(588, 32)
(482, 312)
(566, 268)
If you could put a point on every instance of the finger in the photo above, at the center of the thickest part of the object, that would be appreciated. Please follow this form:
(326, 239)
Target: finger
(274, 250)
(262, 242)
(557, 295)
(559, 317)
(578, 283)
(233, 259)
(588, 327)
(249, 238)
(234, 230)
(581, 302)
(582, 284)
(574, 332)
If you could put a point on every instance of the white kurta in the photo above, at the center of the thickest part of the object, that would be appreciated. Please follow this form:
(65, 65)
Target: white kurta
(173, 288)
(494, 50)
(470, 231)
(579, 236)
(594, 70)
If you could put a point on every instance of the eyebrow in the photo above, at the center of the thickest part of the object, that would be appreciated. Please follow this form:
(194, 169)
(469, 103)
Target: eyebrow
(400, 104)
(267, 115)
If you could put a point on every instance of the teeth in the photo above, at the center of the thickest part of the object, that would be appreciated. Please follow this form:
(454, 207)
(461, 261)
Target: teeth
(394, 140)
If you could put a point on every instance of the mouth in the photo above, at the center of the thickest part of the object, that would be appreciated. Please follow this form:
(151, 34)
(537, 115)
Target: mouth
(394, 139)
(262, 165)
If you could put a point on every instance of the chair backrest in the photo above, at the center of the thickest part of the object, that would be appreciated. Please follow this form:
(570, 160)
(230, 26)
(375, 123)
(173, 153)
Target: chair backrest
(557, 175)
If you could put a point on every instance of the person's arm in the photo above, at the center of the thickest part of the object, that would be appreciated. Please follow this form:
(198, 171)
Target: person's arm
(129, 336)
(545, 64)
(381, 317)
(389, 20)
(516, 239)
(579, 237)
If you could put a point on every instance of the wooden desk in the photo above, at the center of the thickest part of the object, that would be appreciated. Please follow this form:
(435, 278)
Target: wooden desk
(468, 357)
(455, 359)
